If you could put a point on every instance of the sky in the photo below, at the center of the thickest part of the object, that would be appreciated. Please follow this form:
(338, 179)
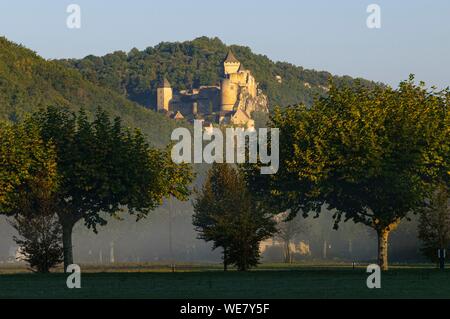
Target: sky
(319, 34)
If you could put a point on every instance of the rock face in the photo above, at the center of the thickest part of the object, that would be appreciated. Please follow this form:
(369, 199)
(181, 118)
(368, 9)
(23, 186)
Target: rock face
(250, 104)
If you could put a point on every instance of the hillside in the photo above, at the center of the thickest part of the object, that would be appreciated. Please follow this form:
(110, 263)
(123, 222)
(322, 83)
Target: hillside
(199, 62)
(28, 82)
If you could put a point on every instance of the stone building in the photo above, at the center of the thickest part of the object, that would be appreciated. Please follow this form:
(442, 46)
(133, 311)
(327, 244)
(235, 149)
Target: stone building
(231, 103)
(164, 96)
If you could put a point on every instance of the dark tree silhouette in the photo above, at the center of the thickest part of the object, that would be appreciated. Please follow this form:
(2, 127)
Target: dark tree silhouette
(226, 215)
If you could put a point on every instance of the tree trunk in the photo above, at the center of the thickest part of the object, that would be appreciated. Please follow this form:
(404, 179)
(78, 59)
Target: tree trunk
(287, 252)
(225, 260)
(67, 244)
(383, 238)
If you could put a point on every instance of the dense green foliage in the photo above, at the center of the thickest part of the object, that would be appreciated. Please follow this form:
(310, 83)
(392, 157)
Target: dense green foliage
(226, 215)
(28, 82)
(27, 163)
(370, 155)
(28, 182)
(194, 63)
(100, 166)
(103, 169)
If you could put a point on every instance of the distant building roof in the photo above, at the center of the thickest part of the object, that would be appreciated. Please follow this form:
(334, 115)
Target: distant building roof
(231, 58)
(177, 116)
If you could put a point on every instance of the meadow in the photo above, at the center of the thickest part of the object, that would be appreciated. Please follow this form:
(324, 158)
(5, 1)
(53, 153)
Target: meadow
(153, 281)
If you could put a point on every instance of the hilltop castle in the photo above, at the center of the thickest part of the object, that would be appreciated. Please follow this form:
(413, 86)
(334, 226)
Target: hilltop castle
(231, 103)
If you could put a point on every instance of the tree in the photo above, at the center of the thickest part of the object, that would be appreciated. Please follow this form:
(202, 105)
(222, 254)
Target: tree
(25, 160)
(28, 180)
(226, 215)
(33, 207)
(104, 169)
(371, 155)
(434, 223)
(287, 231)
(40, 240)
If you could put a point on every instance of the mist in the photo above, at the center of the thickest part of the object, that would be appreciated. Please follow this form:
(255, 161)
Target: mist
(167, 236)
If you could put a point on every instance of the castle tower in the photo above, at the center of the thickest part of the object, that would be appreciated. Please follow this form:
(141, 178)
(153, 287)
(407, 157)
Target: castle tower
(229, 95)
(164, 95)
(231, 64)
(229, 89)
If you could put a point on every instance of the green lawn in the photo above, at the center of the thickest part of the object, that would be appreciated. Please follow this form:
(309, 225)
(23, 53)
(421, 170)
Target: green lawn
(270, 282)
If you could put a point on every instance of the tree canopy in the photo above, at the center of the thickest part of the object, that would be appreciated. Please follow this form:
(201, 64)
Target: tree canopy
(27, 162)
(101, 168)
(371, 155)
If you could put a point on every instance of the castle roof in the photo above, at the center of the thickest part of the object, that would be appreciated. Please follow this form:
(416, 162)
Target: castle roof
(164, 83)
(231, 58)
(242, 68)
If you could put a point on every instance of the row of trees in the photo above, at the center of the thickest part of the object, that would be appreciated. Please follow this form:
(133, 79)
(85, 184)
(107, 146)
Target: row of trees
(371, 155)
(60, 166)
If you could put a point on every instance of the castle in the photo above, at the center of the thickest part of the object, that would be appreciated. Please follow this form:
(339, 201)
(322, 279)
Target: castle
(230, 103)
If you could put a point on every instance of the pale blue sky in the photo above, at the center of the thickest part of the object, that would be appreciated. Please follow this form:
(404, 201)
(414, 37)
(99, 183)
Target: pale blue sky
(325, 35)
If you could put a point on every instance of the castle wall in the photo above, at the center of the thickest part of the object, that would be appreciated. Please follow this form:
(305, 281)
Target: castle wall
(231, 67)
(246, 80)
(239, 78)
(252, 86)
(205, 100)
(209, 99)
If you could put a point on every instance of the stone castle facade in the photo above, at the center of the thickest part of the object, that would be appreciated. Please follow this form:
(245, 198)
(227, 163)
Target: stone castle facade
(231, 103)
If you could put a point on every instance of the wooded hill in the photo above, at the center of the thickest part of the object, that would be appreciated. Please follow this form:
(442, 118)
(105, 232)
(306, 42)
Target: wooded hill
(190, 64)
(121, 83)
(29, 82)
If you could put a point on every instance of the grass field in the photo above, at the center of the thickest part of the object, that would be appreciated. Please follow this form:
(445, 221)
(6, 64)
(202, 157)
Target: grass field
(198, 282)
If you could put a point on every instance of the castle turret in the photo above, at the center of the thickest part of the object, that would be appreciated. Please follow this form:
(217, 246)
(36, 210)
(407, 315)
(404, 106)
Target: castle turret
(164, 95)
(229, 95)
(231, 64)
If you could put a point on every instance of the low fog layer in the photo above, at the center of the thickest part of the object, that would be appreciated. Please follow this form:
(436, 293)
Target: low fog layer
(168, 235)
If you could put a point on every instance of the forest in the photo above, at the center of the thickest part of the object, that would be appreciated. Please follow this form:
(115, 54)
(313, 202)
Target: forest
(192, 64)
